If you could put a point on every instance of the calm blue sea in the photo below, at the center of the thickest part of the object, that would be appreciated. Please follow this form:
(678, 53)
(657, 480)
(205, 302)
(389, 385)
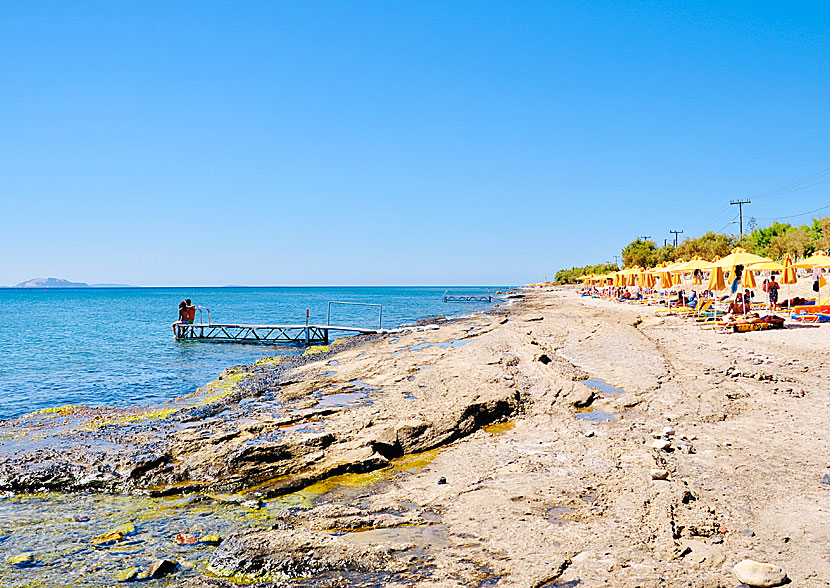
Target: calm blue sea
(115, 347)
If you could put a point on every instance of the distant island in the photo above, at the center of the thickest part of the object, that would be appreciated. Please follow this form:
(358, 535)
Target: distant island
(61, 283)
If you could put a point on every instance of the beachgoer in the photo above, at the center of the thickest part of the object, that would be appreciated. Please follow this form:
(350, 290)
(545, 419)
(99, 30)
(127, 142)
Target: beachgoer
(182, 312)
(191, 312)
(739, 305)
(739, 270)
(772, 291)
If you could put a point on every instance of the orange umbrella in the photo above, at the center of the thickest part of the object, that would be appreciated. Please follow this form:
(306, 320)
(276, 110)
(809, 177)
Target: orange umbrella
(740, 257)
(818, 259)
(748, 280)
(716, 281)
(788, 275)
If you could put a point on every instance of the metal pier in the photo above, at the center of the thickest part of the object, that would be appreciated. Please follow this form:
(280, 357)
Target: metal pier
(450, 297)
(273, 334)
(304, 334)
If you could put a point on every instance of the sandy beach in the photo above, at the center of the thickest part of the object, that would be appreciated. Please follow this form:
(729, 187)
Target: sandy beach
(474, 452)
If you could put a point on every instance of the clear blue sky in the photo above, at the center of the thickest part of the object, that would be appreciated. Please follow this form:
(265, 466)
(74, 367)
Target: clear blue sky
(210, 143)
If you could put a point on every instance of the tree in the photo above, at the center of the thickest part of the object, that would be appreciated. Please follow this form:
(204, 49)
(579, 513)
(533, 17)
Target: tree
(820, 232)
(761, 238)
(571, 276)
(706, 246)
(798, 241)
(640, 252)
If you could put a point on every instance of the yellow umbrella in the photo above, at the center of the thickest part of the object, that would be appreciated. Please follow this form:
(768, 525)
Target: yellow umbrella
(765, 266)
(665, 277)
(748, 280)
(818, 259)
(740, 257)
(716, 281)
(788, 277)
(788, 273)
(696, 263)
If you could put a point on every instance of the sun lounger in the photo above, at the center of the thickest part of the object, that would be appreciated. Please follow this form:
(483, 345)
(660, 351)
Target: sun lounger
(811, 317)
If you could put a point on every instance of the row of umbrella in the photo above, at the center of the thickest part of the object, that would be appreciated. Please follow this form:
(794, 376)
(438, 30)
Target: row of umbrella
(670, 274)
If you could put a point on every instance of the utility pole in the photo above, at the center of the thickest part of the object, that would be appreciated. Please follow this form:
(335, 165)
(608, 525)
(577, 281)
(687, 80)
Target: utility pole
(616, 258)
(740, 204)
(644, 237)
(676, 233)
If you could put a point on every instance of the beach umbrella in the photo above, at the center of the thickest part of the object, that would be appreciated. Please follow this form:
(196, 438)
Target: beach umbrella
(739, 256)
(765, 266)
(818, 259)
(788, 276)
(643, 278)
(748, 280)
(716, 281)
(695, 264)
(788, 273)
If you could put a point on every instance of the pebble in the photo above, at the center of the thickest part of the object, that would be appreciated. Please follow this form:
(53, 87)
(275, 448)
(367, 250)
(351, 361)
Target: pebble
(759, 574)
(161, 568)
(127, 575)
(748, 533)
(24, 560)
(253, 503)
(661, 444)
(659, 474)
(668, 431)
(590, 433)
(826, 479)
(442, 480)
(185, 539)
(210, 539)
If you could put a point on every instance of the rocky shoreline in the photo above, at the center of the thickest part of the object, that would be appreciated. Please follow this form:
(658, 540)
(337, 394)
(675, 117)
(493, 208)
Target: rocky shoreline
(560, 442)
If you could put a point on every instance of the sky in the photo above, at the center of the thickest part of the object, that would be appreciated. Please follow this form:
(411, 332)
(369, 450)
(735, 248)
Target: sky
(306, 143)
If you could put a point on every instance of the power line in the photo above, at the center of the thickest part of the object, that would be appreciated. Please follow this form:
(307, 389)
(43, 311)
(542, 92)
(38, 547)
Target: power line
(727, 224)
(791, 215)
(802, 184)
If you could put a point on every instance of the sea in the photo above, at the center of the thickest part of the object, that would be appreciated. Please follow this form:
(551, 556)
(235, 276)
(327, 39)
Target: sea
(115, 346)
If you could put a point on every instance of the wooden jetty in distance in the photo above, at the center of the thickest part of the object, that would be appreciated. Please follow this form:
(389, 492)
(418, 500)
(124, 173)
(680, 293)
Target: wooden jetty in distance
(288, 334)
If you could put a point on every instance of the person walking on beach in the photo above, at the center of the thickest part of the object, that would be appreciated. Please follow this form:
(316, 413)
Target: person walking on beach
(772, 292)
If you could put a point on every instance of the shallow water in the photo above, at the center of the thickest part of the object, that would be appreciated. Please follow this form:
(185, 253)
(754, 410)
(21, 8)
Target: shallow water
(596, 416)
(115, 347)
(58, 529)
(602, 386)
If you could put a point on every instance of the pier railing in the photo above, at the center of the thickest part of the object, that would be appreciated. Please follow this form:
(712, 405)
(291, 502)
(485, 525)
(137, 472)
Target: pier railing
(450, 297)
(284, 334)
